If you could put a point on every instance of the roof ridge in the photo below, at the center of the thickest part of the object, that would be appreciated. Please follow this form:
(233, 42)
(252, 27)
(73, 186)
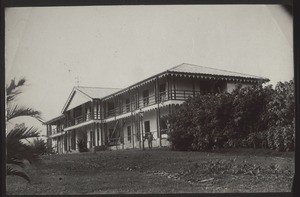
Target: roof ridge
(176, 66)
(83, 92)
(96, 87)
(220, 69)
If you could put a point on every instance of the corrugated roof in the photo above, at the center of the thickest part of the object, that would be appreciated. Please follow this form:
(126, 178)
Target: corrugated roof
(97, 92)
(190, 68)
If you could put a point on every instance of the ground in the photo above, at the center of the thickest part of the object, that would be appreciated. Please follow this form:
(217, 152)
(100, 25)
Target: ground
(158, 171)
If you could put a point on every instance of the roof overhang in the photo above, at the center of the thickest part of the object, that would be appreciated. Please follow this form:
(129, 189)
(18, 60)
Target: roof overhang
(219, 77)
(192, 75)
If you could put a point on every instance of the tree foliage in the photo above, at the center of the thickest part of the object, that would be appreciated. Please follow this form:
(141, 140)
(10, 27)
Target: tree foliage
(17, 151)
(40, 147)
(252, 116)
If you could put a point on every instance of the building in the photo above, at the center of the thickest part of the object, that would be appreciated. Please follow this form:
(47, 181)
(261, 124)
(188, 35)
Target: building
(120, 118)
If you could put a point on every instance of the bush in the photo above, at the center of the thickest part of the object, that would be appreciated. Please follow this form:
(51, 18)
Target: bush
(101, 148)
(289, 138)
(253, 117)
(40, 147)
(281, 108)
(82, 146)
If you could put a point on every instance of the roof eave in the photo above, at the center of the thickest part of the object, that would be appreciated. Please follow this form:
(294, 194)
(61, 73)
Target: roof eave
(129, 87)
(225, 76)
(53, 120)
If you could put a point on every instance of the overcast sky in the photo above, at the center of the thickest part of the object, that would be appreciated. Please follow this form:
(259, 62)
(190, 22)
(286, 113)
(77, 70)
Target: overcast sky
(116, 46)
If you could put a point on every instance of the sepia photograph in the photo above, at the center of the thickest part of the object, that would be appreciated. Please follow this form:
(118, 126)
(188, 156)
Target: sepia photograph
(149, 99)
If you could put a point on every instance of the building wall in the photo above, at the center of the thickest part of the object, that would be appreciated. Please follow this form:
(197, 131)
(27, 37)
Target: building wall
(230, 87)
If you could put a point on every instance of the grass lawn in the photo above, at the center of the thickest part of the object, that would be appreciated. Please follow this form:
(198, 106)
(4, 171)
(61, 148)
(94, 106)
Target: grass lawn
(158, 171)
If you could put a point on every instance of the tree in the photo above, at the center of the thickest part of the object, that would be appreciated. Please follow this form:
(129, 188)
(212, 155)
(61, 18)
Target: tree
(17, 152)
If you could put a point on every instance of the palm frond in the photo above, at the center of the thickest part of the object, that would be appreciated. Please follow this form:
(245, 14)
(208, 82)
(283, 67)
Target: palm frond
(12, 172)
(13, 86)
(11, 97)
(15, 161)
(14, 111)
(22, 133)
(17, 151)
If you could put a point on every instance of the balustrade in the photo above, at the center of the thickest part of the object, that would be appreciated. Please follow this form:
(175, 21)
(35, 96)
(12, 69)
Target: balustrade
(151, 100)
(143, 102)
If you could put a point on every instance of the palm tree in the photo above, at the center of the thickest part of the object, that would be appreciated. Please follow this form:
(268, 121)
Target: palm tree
(17, 152)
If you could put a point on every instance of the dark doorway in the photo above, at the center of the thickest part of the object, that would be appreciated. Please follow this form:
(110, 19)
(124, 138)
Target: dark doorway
(146, 97)
(147, 127)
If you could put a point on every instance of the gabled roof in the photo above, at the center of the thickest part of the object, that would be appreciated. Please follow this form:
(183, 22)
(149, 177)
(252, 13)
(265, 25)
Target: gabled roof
(100, 92)
(89, 93)
(190, 68)
(97, 92)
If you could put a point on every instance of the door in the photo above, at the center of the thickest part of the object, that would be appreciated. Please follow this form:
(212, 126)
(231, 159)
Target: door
(146, 97)
(162, 92)
(91, 139)
(147, 128)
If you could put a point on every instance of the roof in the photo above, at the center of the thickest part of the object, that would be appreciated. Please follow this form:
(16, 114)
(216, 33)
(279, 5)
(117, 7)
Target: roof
(195, 69)
(100, 92)
(190, 68)
(90, 93)
(97, 92)
(55, 119)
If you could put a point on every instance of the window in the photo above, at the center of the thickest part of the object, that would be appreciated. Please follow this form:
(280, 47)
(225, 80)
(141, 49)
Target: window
(129, 133)
(98, 135)
(147, 128)
(88, 112)
(73, 140)
(163, 126)
(162, 92)
(138, 131)
(205, 87)
(65, 143)
(212, 87)
(127, 105)
(92, 139)
(111, 134)
(146, 97)
(219, 87)
(110, 108)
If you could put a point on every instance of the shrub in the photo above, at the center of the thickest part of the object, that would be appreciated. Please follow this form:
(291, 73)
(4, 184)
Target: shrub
(101, 148)
(281, 108)
(253, 116)
(82, 146)
(249, 109)
(289, 138)
(40, 147)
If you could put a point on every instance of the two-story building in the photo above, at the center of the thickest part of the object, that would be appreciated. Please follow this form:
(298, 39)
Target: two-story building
(121, 118)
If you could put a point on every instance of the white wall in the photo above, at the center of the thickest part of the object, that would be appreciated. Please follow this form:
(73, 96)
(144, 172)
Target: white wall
(230, 87)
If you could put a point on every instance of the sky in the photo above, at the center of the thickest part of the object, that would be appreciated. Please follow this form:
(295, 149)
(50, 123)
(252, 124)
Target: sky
(117, 46)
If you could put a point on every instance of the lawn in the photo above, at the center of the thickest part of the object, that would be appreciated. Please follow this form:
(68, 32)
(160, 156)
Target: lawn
(158, 171)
